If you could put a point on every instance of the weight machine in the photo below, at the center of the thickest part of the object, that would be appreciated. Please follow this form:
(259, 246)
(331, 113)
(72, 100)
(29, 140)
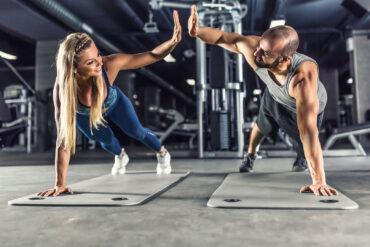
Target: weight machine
(220, 81)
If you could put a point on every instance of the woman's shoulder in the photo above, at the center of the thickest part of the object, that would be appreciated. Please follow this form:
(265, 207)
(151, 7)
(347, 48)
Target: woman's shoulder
(110, 68)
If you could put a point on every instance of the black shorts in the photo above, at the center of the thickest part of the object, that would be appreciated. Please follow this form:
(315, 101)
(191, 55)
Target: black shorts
(273, 115)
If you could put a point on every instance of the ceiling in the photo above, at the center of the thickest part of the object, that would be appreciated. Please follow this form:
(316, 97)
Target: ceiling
(322, 25)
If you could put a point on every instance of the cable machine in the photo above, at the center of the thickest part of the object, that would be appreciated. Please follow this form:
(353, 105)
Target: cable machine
(219, 81)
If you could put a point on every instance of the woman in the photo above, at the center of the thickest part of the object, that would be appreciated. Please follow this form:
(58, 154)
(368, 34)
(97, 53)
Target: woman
(84, 96)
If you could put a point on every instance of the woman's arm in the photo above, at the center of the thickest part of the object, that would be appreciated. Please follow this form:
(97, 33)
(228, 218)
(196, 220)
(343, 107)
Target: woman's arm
(117, 62)
(62, 157)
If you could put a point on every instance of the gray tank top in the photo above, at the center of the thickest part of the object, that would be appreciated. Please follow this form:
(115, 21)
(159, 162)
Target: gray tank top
(280, 93)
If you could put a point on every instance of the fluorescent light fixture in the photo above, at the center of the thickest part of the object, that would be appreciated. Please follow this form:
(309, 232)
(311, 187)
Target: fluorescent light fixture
(277, 22)
(8, 56)
(257, 91)
(191, 82)
(169, 59)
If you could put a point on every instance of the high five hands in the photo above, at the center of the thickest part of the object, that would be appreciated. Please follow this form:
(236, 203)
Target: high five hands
(192, 24)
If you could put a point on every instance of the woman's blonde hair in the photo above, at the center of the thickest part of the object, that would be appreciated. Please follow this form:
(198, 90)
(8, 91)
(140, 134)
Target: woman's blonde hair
(67, 59)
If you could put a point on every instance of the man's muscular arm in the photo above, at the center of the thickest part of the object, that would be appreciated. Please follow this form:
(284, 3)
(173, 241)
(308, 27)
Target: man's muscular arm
(305, 92)
(233, 42)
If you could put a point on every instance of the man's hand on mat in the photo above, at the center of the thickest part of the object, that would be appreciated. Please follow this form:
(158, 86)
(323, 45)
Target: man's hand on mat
(319, 190)
(56, 191)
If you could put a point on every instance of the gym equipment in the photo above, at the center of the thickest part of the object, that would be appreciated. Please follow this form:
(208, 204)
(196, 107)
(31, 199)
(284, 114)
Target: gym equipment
(9, 128)
(130, 189)
(177, 127)
(220, 95)
(171, 114)
(349, 132)
(25, 104)
(150, 26)
(273, 190)
(16, 119)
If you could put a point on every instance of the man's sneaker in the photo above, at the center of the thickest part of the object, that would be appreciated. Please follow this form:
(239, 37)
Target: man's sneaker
(120, 163)
(300, 165)
(164, 162)
(247, 164)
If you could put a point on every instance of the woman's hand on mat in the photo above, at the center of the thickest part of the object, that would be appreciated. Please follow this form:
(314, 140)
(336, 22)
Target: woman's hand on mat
(193, 22)
(177, 30)
(57, 190)
(319, 190)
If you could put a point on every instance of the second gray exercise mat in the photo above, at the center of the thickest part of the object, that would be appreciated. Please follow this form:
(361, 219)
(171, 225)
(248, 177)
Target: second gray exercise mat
(273, 191)
(133, 188)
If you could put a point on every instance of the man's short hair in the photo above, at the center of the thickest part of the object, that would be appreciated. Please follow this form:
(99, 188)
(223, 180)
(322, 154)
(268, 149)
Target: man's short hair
(289, 34)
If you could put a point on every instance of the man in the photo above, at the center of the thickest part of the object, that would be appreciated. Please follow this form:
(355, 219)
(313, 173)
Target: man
(294, 99)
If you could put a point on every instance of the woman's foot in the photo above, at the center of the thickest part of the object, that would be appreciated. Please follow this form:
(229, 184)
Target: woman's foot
(120, 163)
(164, 162)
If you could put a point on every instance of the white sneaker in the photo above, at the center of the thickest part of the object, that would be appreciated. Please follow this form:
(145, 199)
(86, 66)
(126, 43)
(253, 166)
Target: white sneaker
(164, 162)
(120, 163)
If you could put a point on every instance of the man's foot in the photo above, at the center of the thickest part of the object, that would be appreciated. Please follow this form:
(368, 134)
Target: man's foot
(300, 165)
(248, 162)
(120, 163)
(164, 162)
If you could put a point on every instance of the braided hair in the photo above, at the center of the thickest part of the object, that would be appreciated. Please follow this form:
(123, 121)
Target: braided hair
(67, 60)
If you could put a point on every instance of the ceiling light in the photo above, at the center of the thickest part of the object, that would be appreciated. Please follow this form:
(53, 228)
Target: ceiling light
(191, 82)
(8, 56)
(277, 22)
(169, 59)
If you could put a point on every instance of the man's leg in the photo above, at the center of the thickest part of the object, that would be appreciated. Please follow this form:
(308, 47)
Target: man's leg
(264, 126)
(300, 162)
(255, 140)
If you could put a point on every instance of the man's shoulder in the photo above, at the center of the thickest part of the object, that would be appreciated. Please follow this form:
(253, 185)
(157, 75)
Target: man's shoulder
(306, 66)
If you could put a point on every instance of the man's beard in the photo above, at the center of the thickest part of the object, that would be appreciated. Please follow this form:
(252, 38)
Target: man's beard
(265, 65)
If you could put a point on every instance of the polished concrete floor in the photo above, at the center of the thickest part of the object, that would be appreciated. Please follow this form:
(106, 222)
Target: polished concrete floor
(178, 217)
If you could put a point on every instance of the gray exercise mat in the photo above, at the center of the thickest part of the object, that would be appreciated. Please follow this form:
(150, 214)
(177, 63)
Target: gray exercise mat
(132, 188)
(273, 191)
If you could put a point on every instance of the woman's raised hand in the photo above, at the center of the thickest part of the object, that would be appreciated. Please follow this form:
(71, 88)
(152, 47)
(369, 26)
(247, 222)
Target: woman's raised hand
(177, 30)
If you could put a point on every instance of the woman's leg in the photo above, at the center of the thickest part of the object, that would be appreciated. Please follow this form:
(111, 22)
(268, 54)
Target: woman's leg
(124, 116)
(106, 138)
(103, 135)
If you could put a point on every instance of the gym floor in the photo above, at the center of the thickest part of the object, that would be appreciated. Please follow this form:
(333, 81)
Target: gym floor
(179, 216)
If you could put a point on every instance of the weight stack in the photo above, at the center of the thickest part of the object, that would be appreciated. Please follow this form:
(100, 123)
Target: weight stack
(220, 135)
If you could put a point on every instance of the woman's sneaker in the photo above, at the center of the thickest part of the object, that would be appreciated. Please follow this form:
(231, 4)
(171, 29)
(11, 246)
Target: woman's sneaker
(120, 163)
(164, 162)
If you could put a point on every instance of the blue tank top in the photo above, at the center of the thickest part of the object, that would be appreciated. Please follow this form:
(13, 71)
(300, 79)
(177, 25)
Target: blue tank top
(108, 102)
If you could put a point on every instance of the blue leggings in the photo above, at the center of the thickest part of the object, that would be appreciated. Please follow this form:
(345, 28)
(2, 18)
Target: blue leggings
(122, 113)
